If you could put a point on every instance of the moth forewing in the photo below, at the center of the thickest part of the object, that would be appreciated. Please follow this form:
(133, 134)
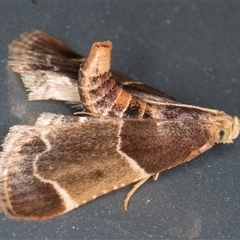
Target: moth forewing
(72, 172)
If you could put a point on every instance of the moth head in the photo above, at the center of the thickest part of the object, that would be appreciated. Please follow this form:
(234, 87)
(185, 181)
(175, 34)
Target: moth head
(227, 129)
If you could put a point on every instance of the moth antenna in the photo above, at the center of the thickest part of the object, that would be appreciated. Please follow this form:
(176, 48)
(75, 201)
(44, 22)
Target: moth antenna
(133, 190)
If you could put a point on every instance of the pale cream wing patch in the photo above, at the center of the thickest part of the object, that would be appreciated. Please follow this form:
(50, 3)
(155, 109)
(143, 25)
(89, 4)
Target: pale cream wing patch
(49, 85)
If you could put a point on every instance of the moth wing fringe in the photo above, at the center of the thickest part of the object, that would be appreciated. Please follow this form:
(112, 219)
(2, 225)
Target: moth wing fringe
(9, 157)
(46, 119)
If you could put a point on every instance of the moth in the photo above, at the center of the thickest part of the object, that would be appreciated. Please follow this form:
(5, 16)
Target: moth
(124, 134)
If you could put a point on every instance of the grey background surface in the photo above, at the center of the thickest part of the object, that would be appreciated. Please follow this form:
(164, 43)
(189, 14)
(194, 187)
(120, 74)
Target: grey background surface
(189, 50)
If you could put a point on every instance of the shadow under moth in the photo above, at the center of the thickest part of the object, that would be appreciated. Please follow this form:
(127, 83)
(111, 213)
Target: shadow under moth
(124, 134)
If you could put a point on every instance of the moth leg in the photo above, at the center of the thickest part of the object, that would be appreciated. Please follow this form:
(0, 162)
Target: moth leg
(155, 177)
(135, 187)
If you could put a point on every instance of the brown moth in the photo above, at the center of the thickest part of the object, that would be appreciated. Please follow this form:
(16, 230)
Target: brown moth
(124, 137)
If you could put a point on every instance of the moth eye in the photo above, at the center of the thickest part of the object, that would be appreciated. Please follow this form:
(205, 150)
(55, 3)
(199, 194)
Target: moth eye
(222, 134)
